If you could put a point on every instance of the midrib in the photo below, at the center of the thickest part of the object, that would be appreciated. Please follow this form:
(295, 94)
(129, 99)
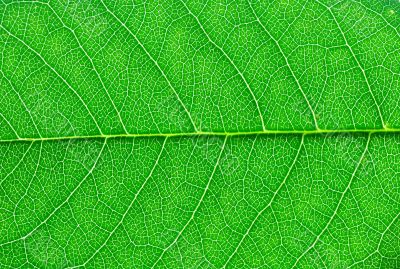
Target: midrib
(195, 134)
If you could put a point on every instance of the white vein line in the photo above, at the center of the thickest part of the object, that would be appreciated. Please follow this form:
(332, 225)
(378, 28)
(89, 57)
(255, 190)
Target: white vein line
(377, 250)
(287, 64)
(386, 230)
(230, 61)
(376, 13)
(247, 165)
(63, 203)
(197, 206)
(337, 206)
(357, 61)
(21, 100)
(90, 60)
(269, 203)
(19, 162)
(394, 131)
(155, 63)
(9, 124)
(129, 207)
(30, 182)
(55, 71)
(31, 265)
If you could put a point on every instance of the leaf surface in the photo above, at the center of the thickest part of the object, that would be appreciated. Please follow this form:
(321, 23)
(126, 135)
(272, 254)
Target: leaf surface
(199, 134)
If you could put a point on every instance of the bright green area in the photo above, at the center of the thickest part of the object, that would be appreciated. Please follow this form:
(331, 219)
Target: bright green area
(199, 134)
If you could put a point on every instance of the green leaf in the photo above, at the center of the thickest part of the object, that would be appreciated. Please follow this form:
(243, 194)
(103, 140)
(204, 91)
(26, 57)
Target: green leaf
(199, 134)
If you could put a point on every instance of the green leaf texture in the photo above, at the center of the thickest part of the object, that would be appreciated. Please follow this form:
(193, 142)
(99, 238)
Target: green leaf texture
(199, 134)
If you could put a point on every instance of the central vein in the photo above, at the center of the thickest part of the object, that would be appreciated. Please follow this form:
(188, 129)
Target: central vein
(223, 134)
